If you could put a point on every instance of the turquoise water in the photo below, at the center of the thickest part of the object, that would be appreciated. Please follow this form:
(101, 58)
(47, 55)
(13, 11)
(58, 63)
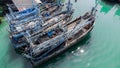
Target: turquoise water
(100, 49)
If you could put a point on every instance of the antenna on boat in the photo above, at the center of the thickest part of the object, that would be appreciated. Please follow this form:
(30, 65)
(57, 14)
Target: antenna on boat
(93, 11)
(58, 2)
(69, 5)
(96, 3)
(33, 3)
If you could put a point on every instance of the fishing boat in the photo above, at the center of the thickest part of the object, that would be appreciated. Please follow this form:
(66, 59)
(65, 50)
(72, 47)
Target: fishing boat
(15, 23)
(35, 27)
(16, 18)
(57, 40)
(18, 24)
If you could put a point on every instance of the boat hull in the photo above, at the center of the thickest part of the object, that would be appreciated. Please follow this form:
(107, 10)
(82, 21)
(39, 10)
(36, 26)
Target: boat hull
(43, 60)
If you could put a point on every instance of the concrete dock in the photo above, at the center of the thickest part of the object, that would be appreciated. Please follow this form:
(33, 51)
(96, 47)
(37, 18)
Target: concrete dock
(24, 4)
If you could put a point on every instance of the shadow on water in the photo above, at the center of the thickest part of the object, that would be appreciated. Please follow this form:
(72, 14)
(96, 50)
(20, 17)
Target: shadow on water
(58, 59)
(118, 10)
(105, 8)
(110, 2)
(10, 56)
(14, 56)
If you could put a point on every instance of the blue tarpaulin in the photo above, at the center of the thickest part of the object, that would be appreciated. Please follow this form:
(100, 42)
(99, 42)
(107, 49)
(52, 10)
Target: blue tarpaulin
(50, 33)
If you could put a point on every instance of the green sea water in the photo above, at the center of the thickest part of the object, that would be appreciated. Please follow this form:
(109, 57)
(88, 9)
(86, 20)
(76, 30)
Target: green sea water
(100, 49)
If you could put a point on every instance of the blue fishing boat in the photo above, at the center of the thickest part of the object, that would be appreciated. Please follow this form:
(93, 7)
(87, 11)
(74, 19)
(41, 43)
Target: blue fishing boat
(36, 27)
(33, 12)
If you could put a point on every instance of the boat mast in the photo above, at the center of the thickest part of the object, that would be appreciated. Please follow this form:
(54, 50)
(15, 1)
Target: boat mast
(69, 5)
(33, 3)
(58, 2)
(93, 11)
